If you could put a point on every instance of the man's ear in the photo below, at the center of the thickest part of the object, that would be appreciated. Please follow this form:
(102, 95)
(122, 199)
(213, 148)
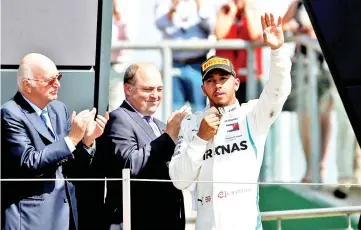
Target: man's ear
(204, 92)
(127, 89)
(27, 85)
(236, 84)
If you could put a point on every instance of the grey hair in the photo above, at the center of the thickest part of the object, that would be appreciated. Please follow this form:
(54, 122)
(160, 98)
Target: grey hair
(24, 72)
(129, 75)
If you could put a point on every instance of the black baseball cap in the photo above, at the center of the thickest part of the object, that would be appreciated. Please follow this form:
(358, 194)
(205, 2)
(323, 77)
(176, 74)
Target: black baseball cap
(217, 62)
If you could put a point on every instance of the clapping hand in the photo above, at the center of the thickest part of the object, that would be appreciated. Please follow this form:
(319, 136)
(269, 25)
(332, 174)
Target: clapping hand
(175, 120)
(95, 127)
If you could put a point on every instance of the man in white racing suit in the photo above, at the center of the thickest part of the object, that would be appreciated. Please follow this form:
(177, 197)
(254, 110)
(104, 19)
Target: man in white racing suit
(225, 142)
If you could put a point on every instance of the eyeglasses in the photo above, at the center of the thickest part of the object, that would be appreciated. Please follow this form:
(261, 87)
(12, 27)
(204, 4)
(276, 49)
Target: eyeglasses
(50, 81)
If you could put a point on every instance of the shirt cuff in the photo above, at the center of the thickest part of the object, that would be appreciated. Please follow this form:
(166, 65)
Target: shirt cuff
(279, 52)
(90, 150)
(197, 141)
(69, 144)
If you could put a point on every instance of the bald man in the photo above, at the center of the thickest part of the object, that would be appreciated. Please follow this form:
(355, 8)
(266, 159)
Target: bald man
(138, 141)
(40, 140)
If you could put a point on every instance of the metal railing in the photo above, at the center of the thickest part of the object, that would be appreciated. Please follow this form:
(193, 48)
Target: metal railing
(306, 214)
(311, 213)
(167, 47)
(266, 216)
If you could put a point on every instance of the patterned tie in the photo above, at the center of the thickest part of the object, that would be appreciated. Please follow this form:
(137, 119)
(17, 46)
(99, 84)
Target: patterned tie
(47, 123)
(151, 123)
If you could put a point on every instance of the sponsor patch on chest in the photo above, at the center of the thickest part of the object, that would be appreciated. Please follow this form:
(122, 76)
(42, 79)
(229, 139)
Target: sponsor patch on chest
(224, 149)
(231, 127)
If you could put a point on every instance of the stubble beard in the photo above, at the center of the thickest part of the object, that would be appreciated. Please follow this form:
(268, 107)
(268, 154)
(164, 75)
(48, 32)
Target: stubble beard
(217, 105)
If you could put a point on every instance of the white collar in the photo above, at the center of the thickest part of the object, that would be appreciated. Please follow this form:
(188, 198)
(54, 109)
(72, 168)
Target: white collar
(228, 108)
(36, 108)
(141, 115)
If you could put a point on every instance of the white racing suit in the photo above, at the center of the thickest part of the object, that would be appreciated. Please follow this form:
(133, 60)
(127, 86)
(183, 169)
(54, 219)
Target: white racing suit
(234, 154)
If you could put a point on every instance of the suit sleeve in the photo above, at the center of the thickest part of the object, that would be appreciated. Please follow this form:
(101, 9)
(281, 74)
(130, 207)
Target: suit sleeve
(147, 161)
(22, 151)
(188, 157)
(274, 94)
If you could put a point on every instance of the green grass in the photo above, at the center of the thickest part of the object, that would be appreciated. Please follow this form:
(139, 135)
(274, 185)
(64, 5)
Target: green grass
(276, 198)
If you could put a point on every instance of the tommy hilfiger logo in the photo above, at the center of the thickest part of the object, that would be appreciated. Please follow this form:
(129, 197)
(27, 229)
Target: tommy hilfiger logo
(234, 127)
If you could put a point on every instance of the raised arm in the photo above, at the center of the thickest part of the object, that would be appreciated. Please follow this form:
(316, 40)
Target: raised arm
(164, 14)
(225, 19)
(278, 87)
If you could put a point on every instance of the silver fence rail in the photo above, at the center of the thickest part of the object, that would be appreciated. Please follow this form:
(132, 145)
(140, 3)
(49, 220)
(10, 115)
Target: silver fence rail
(311, 213)
(306, 214)
(168, 46)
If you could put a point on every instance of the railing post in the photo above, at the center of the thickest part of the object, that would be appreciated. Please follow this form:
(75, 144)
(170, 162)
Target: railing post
(279, 224)
(126, 199)
(349, 221)
(251, 86)
(314, 112)
(167, 81)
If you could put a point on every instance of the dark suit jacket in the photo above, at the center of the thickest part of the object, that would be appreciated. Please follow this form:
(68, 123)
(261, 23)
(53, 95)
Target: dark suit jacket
(29, 151)
(132, 144)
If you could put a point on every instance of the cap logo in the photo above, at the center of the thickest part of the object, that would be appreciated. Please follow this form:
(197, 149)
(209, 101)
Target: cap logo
(215, 61)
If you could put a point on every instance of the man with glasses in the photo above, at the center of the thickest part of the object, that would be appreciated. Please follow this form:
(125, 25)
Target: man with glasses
(40, 140)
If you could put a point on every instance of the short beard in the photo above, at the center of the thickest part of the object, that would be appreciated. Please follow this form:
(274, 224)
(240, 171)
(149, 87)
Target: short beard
(219, 105)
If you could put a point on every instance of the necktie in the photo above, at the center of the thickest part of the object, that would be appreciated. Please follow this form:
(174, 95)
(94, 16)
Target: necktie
(47, 123)
(152, 125)
(58, 183)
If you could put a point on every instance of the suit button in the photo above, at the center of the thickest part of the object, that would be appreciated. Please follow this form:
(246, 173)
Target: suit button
(65, 200)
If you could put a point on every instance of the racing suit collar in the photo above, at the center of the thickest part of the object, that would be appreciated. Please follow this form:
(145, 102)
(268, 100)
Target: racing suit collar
(231, 108)
(226, 109)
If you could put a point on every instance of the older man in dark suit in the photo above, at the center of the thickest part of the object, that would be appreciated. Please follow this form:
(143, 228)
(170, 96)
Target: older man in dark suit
(39, 140)
(137, 140)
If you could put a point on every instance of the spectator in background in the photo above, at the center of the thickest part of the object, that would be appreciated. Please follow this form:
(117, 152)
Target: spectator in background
(119, 32)
(347, 150)
(119, 58)
(186, 20)
(297, 21)
(238, 19)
